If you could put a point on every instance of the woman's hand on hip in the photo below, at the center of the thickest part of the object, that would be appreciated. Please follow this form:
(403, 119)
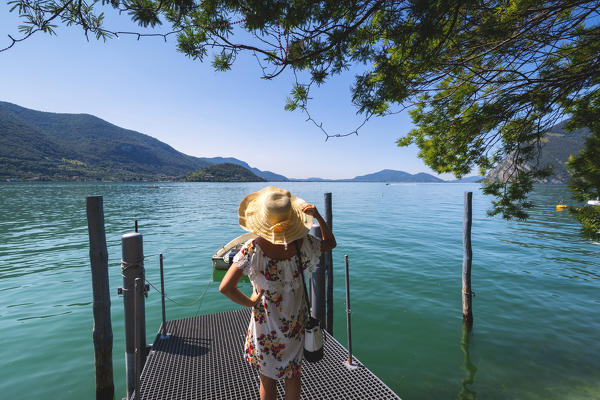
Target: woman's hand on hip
(256, 296)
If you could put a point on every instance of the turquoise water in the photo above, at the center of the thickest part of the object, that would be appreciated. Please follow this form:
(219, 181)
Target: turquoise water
(536, 284)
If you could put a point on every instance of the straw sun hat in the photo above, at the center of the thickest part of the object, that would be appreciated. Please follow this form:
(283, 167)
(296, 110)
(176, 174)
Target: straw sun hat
(275, 215)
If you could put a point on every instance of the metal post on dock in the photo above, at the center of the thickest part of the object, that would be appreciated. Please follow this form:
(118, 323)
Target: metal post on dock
(348, 325)
(329, 267)
(163, 327)
(132, 268)
(139, 333)
(136, 225)
(317, 284)
(467, 295)
(102, 333)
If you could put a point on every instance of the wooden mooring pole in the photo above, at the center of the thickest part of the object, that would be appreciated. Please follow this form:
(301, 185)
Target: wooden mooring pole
(468, 366)
(467, 294)
(329, 267)
(102, 333)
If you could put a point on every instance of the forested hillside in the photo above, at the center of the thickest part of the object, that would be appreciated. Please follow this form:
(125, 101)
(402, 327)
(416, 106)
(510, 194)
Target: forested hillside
(226, 172)
(51, 146)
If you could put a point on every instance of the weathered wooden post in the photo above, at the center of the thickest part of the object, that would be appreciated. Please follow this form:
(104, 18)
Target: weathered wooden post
(132, 267)
(102, 334)
(467, 295)
(468, 366)
(317, 284)
(329, 266)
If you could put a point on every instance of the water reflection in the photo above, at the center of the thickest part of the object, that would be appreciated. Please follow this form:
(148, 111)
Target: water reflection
(466, 393)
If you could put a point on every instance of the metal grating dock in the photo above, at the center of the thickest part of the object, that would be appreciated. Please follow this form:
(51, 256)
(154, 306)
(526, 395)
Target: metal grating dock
(204, 359)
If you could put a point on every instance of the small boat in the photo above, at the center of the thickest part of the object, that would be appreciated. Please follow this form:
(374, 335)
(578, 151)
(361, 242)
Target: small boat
(594, 202)
(223, 258)
(561, 206)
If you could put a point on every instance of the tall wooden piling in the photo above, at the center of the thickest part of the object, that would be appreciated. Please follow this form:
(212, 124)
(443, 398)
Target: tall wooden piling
(468, 366)
(102, 333)
(467, 295)
(329, 267)
(132, 268)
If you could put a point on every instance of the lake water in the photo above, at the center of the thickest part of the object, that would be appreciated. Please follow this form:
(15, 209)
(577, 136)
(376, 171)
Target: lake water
(537, 284)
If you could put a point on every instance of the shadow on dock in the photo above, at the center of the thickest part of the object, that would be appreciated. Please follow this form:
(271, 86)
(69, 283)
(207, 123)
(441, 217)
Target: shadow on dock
(183, 346)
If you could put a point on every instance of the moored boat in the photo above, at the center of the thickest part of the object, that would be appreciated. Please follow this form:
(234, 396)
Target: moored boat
(223, 258)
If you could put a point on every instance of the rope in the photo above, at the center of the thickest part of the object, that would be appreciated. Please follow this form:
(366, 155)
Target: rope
(183, 248)
(175, 301)
(126, 265)
(202, 297)
(157, 254)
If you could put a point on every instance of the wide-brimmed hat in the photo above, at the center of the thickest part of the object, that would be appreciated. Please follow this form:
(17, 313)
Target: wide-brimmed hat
(275, 215)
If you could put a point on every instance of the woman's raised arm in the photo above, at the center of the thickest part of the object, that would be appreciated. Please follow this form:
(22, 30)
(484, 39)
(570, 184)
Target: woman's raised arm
(327, 239)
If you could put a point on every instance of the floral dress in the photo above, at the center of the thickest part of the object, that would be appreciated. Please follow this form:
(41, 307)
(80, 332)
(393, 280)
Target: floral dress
(275, 336)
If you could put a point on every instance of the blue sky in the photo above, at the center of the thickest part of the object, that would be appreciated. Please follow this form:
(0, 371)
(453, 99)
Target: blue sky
(149, 87)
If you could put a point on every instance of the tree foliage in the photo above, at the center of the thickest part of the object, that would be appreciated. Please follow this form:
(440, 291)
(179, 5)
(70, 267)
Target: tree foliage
(482, 79)
(585, 172)
(589, 217)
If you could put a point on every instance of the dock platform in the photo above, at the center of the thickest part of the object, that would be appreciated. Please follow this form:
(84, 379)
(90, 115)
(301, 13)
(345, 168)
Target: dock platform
(204, 359)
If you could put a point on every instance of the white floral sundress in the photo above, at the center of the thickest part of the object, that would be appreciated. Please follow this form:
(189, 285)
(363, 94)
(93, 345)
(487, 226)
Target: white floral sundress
(275, 336)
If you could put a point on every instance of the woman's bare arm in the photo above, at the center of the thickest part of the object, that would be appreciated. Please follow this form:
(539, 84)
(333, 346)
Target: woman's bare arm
(229, 288)
(327, 239)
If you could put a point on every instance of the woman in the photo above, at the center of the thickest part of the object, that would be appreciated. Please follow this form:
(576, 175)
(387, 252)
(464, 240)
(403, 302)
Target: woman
(275, 336)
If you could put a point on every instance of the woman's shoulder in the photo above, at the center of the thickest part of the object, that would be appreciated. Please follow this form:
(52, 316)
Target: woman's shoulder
(244, 255)
(249, 247)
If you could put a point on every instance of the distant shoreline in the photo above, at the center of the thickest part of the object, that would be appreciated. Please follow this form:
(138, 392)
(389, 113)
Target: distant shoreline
(42, 180)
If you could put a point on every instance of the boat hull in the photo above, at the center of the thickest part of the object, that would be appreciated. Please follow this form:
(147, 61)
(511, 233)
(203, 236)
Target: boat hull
(222, 259)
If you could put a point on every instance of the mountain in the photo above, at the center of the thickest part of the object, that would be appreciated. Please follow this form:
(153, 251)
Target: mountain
(385, 175)
(557, 146)
(266, 175)
(468, 179)
(389, 175)
(63, 146)
(315, 179)
(81, 146)
(44, 145)
(226, 172)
